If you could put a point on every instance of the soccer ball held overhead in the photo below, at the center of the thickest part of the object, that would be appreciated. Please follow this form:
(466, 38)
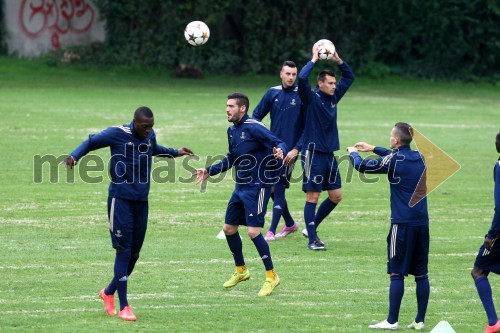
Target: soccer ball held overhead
(326, 49)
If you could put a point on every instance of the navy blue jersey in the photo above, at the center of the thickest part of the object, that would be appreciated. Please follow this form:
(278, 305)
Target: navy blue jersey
(131, 159)
(405, 169)
(287, 116)
(251, 153)
(320, 131)
(495, 225)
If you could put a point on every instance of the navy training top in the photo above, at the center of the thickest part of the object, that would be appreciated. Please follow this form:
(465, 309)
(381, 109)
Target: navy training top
(251, 153)
(131, 159)
(406, 172)
(287, 116)
(321, 131)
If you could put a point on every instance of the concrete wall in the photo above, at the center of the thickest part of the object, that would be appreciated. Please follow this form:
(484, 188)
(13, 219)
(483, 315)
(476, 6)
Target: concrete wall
(35, 27)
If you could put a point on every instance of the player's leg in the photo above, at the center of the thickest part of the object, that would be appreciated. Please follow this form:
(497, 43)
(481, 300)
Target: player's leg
(397, 268)
(333, 186)
(419, 268)
(312, 184)
(289, 222)
(235, 217)
(486, 262)
(141, 210)
(255, 201)
(290, 225)
(328, 205)
(120, 213)
(279, 206)
(398, 264)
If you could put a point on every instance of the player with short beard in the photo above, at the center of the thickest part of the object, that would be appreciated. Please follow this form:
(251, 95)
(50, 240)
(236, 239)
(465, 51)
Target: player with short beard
(287, 123)
(252, 147)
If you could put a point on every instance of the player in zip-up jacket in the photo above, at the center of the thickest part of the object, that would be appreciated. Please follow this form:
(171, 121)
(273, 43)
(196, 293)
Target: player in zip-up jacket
(320, 141)
(408, 239)
(287, 123)
(132, 147)
(252, 148)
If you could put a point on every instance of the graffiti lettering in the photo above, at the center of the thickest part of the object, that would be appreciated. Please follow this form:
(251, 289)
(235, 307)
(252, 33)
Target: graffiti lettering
(58, 17)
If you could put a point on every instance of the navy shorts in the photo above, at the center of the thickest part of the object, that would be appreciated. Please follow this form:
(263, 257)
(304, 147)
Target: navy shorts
(321, 172)
(489, 260)
(128, 221)
(408, 250)
(248, 206)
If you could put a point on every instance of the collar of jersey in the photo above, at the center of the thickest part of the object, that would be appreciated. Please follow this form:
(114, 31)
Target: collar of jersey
(242, 120)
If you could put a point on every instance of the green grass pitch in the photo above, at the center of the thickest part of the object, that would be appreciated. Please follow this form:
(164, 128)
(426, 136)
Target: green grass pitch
(55, 252)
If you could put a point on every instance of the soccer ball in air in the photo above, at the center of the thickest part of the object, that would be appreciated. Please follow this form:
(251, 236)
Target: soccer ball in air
(326, 49)
(196, 33)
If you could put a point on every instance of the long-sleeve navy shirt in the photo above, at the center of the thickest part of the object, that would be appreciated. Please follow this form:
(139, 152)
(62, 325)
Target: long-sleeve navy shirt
(131, 159)
(320, 131)
(251, 153)
(287, 116)
(405, 169)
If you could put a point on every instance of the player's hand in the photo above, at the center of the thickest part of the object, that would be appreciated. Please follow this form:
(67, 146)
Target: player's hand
(337, 59)
(278, 153)
(363, 146)
(291, 157)
(315, 49)
(69, 162)
(200, 176)
(185, 151)
(488, 243)
(352, 149)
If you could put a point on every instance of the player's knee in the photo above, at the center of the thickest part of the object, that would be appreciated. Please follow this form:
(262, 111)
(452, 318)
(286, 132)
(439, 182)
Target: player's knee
(135, 255)
(421, 277)
(335, 198)
(229, 229)
(477, 272)
(252, 233)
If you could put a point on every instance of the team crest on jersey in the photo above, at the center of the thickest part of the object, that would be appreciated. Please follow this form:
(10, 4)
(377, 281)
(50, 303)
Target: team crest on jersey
(243, 136)
(293, 102)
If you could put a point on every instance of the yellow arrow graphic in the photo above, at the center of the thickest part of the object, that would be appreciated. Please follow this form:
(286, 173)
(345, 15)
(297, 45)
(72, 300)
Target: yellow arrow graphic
(439, 166)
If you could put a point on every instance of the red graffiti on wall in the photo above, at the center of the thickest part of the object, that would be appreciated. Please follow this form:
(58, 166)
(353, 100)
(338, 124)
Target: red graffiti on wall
(59, 17)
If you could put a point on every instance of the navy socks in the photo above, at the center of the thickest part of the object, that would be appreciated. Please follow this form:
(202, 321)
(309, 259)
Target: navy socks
(121, 267)
(236, 247)
(263, 249)
(280, 208)
(396, 292)
(423, 292)
(309, 214)
(324, 209)
(484, 290)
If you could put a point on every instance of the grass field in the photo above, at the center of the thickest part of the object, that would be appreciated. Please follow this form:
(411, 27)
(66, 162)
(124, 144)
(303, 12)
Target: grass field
(55, 253)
